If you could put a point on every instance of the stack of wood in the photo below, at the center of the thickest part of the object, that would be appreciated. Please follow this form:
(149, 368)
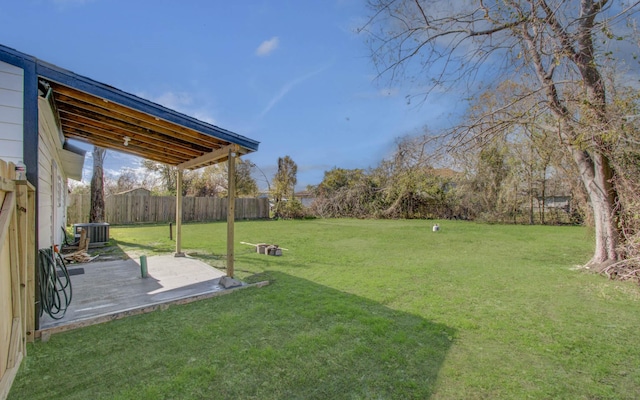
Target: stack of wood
(268, 249)
(81, 255)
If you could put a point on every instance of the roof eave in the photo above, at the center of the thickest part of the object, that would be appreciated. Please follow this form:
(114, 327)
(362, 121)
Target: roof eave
(110, 93)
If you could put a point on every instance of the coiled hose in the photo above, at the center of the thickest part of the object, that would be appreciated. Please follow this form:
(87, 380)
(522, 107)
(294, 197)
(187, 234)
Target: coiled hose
(55, 285)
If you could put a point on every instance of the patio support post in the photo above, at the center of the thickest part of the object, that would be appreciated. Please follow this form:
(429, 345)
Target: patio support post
(231, 207)
(179, 252)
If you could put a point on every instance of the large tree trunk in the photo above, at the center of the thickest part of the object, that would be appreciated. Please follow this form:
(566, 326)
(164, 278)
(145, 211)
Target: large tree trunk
(97, 186)
(593, 164)
(596, 175)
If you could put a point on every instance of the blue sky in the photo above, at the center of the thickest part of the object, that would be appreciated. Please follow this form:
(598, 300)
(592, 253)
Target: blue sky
(293, 75)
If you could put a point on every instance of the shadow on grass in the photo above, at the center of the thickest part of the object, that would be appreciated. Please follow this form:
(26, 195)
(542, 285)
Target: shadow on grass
(291, 339)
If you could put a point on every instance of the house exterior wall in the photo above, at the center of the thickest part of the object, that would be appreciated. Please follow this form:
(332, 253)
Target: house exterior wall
(52, 183)
(11, 112)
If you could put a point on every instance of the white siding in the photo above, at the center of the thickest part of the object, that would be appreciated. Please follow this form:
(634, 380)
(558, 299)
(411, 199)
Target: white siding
(52, 184)
(10, 115)
(11, 112)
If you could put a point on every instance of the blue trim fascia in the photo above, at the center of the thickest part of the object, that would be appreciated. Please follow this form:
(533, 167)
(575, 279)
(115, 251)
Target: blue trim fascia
(30, 108)
(118, 96)
(30, 140)
(82, 83)
(29, 145)
(14, 57)
(31, 124)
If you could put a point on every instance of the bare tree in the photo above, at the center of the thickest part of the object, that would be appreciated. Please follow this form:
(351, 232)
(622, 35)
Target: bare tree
(284, 188)
(217, 177)
(167, 175)
(245, 184)
(551, 43)
(97, 186)
(346, 193)
(264, 176)
(126, 181)
(210, 181)
(522, 128)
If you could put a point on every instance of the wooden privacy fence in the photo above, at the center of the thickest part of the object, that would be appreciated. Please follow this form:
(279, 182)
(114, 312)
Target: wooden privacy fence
(131, 209)
(17, 273)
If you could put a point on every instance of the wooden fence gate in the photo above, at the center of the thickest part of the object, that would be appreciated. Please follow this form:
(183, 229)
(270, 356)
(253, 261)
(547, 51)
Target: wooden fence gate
(17, 273)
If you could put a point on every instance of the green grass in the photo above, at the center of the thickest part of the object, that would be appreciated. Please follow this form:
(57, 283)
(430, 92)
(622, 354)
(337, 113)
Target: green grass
(362, 309)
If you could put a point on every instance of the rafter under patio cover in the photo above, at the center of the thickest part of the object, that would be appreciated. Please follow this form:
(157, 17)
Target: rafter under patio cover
(104, 116)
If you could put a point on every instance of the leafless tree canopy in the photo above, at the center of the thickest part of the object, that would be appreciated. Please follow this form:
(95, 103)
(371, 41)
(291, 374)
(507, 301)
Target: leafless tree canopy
(555, 52)
(449, 45)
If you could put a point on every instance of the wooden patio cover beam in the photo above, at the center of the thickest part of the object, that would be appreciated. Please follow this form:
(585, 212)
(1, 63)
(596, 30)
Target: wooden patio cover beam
(229, 153)
(213, 157)
(70, 96)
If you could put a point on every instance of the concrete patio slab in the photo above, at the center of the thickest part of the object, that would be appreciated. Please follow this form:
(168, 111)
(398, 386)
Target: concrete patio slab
(109, 289)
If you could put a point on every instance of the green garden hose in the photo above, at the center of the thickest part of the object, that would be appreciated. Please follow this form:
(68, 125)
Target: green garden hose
(55, 285)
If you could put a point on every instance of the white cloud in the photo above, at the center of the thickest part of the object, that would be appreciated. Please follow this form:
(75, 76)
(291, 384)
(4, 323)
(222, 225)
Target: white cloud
(204, 117)
(173, 100)
(268, 46)
(182, 102)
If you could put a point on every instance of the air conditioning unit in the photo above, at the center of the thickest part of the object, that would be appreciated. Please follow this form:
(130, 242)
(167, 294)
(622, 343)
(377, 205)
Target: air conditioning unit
(98, 232)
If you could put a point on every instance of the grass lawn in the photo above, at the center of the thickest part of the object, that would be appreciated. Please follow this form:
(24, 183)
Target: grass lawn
(361, 309)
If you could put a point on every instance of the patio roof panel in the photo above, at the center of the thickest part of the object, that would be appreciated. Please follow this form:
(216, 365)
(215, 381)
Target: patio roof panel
(104, 116)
